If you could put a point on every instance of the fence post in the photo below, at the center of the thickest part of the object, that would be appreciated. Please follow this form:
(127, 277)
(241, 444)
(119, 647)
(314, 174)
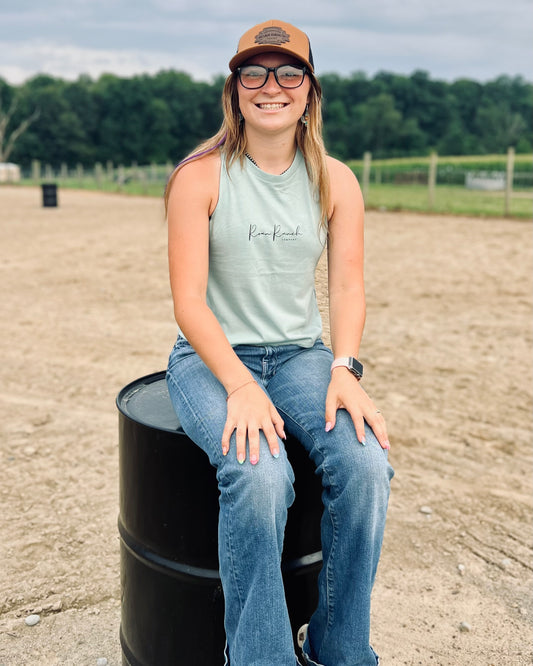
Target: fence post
(98, 174)
(121, 177)
(367, 161)
(36, 170)
(509, 181)
(169, 168)
(141, 178)
(432, 179)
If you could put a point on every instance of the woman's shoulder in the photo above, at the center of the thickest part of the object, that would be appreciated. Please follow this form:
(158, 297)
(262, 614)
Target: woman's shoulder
(342, 179)
(197, 180)
(205, 167)
(338, 169)
(345, 192)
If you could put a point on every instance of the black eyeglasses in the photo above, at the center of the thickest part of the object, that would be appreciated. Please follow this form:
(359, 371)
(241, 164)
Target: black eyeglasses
(287, 76)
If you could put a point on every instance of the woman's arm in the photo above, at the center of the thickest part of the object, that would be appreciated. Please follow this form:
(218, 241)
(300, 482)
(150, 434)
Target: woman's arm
(347, 301)
(192, 200)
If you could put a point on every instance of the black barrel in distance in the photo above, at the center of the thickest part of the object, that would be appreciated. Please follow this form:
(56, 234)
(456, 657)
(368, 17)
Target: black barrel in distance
(49, 191)
(172, 610)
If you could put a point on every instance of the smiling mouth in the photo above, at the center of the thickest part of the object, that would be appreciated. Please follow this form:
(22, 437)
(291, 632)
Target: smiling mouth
(272, 107)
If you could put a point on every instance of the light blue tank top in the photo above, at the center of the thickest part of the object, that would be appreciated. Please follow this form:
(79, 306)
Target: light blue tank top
(264, 245)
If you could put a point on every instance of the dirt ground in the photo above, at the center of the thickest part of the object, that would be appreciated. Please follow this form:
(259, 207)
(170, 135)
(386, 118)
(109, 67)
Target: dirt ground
(447, 349)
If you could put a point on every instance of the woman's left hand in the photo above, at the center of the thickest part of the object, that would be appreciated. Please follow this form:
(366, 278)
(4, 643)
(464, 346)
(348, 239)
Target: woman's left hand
(345, 392)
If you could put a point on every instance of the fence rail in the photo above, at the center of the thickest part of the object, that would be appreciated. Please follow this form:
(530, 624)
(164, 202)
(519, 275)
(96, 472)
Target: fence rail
(484, 186)
(112, 177)
(493, 174)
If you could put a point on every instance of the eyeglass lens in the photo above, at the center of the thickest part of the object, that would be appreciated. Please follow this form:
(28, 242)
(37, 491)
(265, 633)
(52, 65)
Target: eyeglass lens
(287, 76)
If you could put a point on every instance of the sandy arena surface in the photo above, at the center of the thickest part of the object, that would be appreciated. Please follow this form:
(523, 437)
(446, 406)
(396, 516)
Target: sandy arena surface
(86, 309)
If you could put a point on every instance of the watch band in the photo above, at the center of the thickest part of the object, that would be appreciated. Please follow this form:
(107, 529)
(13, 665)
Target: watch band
(353, 365)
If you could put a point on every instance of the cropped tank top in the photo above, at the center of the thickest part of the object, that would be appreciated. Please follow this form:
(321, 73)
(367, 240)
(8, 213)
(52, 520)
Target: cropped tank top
(265, 240)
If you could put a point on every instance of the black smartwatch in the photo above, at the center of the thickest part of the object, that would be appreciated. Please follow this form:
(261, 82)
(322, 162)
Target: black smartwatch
(353, 365)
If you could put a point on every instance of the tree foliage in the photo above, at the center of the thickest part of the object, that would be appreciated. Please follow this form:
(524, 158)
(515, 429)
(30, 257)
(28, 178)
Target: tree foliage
(9, 131)
(160, 118)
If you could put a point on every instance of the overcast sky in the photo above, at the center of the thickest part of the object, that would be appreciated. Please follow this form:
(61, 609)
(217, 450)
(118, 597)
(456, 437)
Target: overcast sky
(450, 39)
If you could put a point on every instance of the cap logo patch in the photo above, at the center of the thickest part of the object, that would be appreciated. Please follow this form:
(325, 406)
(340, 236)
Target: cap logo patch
(272, 35)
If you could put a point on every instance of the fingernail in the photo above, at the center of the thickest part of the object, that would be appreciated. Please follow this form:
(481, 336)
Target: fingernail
(275, 453)
(363, 441)
(387, 444)
(253, 459)
(283, 435)
(329, 426)
(224, 451)
(240, 458)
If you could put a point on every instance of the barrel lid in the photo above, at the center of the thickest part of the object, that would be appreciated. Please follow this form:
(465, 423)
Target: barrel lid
(146, 401)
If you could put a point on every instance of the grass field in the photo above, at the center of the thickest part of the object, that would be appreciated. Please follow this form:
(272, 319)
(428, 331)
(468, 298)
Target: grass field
(395, 184)
(449, 199)
(523, 163)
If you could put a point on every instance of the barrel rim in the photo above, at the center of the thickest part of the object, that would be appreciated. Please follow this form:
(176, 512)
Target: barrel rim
(139, 383)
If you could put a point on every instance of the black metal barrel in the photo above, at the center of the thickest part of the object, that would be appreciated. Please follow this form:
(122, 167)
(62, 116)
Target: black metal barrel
(49, 192)
(172, 600)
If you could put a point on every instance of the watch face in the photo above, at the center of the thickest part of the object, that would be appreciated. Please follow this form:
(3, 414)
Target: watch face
(356, 368)
(353, 365)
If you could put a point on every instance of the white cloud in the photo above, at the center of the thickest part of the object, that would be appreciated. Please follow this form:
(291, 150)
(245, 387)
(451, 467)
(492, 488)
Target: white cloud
(68, 62)
(475, 38)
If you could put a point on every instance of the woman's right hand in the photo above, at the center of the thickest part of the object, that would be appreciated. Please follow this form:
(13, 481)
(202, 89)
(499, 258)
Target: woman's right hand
(249, 411)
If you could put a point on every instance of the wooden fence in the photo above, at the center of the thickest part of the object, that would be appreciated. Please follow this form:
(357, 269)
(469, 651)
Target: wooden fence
(461, 174)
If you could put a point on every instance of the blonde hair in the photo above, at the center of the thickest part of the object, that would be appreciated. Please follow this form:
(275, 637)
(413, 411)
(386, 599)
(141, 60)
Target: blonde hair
(230, 140)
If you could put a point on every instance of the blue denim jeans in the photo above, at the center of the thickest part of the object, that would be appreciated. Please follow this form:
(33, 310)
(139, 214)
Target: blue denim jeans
(254, 500)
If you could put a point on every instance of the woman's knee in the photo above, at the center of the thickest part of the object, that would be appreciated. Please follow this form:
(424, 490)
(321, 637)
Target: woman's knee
(361, 470)
(264, 489)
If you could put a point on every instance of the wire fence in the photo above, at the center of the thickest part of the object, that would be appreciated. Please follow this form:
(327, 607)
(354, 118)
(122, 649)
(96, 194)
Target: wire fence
(476, 185)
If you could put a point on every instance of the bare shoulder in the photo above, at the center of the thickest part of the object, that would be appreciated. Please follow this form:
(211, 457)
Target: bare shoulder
(339, 170)
(344, 186)
(203, 165)
(197, 180)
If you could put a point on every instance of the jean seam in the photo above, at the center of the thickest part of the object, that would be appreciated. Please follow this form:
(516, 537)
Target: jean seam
(198, 417)
(230, 548)
(331, 559)
(220, 471)
(330, 595)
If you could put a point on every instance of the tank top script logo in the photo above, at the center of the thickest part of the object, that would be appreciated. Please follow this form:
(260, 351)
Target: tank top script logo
(274, 234)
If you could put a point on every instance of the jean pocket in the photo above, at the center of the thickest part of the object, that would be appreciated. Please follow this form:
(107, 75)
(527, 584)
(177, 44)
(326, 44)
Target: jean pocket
(181, 343)
(180, 350)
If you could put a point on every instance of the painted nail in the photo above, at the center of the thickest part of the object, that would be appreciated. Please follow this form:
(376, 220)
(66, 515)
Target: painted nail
(240, 458)
(283, 435)
(224, 451)
(275, 453)
(329, 426)
(254, 459)
(363, 441)
(387, 444)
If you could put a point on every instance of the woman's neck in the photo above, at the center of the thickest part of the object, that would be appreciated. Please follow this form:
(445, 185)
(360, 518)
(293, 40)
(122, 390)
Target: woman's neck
(270, 154)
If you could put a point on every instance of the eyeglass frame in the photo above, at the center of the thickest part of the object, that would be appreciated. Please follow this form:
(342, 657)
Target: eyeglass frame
(274, 70)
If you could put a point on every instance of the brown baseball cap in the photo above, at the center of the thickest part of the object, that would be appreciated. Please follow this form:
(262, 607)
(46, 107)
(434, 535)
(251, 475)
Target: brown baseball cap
(273, 36)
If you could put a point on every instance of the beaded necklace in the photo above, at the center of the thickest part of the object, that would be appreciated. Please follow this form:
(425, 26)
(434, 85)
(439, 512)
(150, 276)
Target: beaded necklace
(257, 165)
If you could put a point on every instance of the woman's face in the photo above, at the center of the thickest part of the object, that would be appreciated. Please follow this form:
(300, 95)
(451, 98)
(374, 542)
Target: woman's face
(273, 108)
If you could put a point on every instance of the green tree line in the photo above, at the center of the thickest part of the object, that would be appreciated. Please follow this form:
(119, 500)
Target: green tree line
(159, 118)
